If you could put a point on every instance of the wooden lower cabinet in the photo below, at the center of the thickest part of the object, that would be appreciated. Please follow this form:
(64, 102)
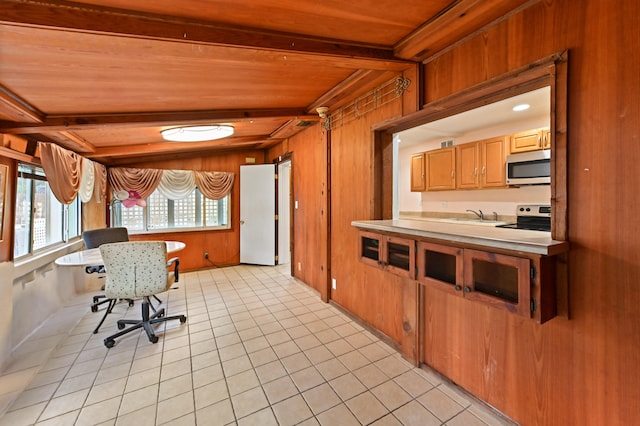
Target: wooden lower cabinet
(440, 266)
(393, 254)
(498, 280)
(524, 286)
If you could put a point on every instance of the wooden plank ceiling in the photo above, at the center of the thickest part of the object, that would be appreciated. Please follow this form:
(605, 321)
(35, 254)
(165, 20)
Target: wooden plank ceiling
(103, 77)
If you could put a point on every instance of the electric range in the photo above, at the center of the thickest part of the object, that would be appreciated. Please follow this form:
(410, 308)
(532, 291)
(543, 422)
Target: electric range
(533, 217)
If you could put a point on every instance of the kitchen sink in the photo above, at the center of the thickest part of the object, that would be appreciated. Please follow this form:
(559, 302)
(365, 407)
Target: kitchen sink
(466, 221)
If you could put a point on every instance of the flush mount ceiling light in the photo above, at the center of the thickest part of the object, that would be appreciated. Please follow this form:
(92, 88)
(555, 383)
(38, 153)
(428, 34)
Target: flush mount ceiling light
(197, 133)
(521, 107)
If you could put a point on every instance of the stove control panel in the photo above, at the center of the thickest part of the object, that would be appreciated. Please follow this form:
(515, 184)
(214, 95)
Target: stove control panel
(539, 210)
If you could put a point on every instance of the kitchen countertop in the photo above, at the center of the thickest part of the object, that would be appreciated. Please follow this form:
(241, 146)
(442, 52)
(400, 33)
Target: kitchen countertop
(538, 242)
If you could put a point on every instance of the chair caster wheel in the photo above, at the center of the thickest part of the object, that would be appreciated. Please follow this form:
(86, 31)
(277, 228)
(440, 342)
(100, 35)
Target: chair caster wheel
(130, 303)
(120, 326)
(109, 343)
(153, 339)
(94, 309)
(183, 319)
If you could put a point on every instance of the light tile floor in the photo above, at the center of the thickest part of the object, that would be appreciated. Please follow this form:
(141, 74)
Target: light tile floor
(258, 348)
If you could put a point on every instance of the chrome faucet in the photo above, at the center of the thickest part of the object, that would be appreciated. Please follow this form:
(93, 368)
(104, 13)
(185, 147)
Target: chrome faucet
(480, 215)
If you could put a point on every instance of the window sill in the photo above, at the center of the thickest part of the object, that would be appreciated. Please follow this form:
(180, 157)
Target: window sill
(178, 230)
(38, 261)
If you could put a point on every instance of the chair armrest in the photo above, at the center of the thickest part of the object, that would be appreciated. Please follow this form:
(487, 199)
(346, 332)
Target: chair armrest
(176, 262)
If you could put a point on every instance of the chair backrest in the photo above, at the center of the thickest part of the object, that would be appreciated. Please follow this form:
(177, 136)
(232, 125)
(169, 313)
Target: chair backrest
(135, 269)
(97, 237)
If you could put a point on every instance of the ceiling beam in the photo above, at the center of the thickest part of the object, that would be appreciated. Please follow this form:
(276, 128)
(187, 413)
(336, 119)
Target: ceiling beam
(102, 20)
(18, 109)
(132, 120)
(459, 20)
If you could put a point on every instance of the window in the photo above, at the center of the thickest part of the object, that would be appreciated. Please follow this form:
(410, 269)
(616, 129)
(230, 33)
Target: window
(41, 220)
(162, 214)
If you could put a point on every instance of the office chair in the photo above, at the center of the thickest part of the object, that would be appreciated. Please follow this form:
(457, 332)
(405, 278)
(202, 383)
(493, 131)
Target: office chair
(94, 238)
(139, 269)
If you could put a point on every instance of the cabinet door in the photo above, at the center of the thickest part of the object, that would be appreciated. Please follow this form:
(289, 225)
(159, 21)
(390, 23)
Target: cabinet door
(399, 256)
(492, 172)
(467, 163)
(440, 266)
(546, 139)
(529, 140)
(418, 177)
(369, 248)
(441, 166)
(498, 280)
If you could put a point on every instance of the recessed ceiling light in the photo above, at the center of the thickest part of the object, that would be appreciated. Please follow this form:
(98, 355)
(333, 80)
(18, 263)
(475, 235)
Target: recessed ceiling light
(521, 107)
(197, 133)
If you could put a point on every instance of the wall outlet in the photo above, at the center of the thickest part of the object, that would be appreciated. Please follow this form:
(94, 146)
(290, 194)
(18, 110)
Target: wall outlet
(334, 284)
(299, 266)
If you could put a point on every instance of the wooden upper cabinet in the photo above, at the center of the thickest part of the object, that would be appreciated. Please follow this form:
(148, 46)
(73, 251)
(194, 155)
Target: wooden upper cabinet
(529, 140)
(467, 164)
(441, 169)
(481, 164)
(546, 139)
(493, 161)
(418, 175)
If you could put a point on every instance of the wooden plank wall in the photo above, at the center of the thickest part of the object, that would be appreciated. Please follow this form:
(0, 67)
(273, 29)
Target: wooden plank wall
(310, 220)
(6, 217)
(582, 371)
(370, 294)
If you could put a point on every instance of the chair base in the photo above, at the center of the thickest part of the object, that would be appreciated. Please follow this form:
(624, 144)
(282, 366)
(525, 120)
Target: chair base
(111, 303)
(146, 323)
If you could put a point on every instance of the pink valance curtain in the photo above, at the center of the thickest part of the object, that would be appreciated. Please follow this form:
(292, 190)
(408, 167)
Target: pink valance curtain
(63, 169)
(143, 181)
(214, 185)
(174, 184)
(69, 174)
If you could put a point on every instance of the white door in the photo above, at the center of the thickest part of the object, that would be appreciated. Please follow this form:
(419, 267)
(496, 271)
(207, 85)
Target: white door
(257, 214)
(284, 212)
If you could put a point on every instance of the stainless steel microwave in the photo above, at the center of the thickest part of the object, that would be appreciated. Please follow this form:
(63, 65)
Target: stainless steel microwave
(529, 168)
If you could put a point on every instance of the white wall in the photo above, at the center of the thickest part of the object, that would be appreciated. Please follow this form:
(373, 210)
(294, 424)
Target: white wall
(32, 291)
(502, 201)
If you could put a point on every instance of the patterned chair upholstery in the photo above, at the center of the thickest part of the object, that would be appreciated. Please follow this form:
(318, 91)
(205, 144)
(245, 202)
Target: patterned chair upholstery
(134, 270)
(94, 238)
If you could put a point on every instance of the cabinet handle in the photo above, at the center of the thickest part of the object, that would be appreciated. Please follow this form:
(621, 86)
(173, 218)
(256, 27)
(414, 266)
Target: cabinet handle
(467, 289)
(475, 171)
(452, 174)
(484, 169)
(458, 288)
(539, 140)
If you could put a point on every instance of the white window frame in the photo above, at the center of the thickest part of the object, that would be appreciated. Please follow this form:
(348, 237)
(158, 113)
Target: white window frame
(117, 208)
(37, 174)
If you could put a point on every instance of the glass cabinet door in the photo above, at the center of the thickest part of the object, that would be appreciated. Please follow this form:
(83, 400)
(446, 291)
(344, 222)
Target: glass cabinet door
(369, 248)
(400, 256)
(499, 280)
(440, 266)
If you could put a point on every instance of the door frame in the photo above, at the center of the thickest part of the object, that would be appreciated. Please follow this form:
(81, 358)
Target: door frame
(277, 161)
